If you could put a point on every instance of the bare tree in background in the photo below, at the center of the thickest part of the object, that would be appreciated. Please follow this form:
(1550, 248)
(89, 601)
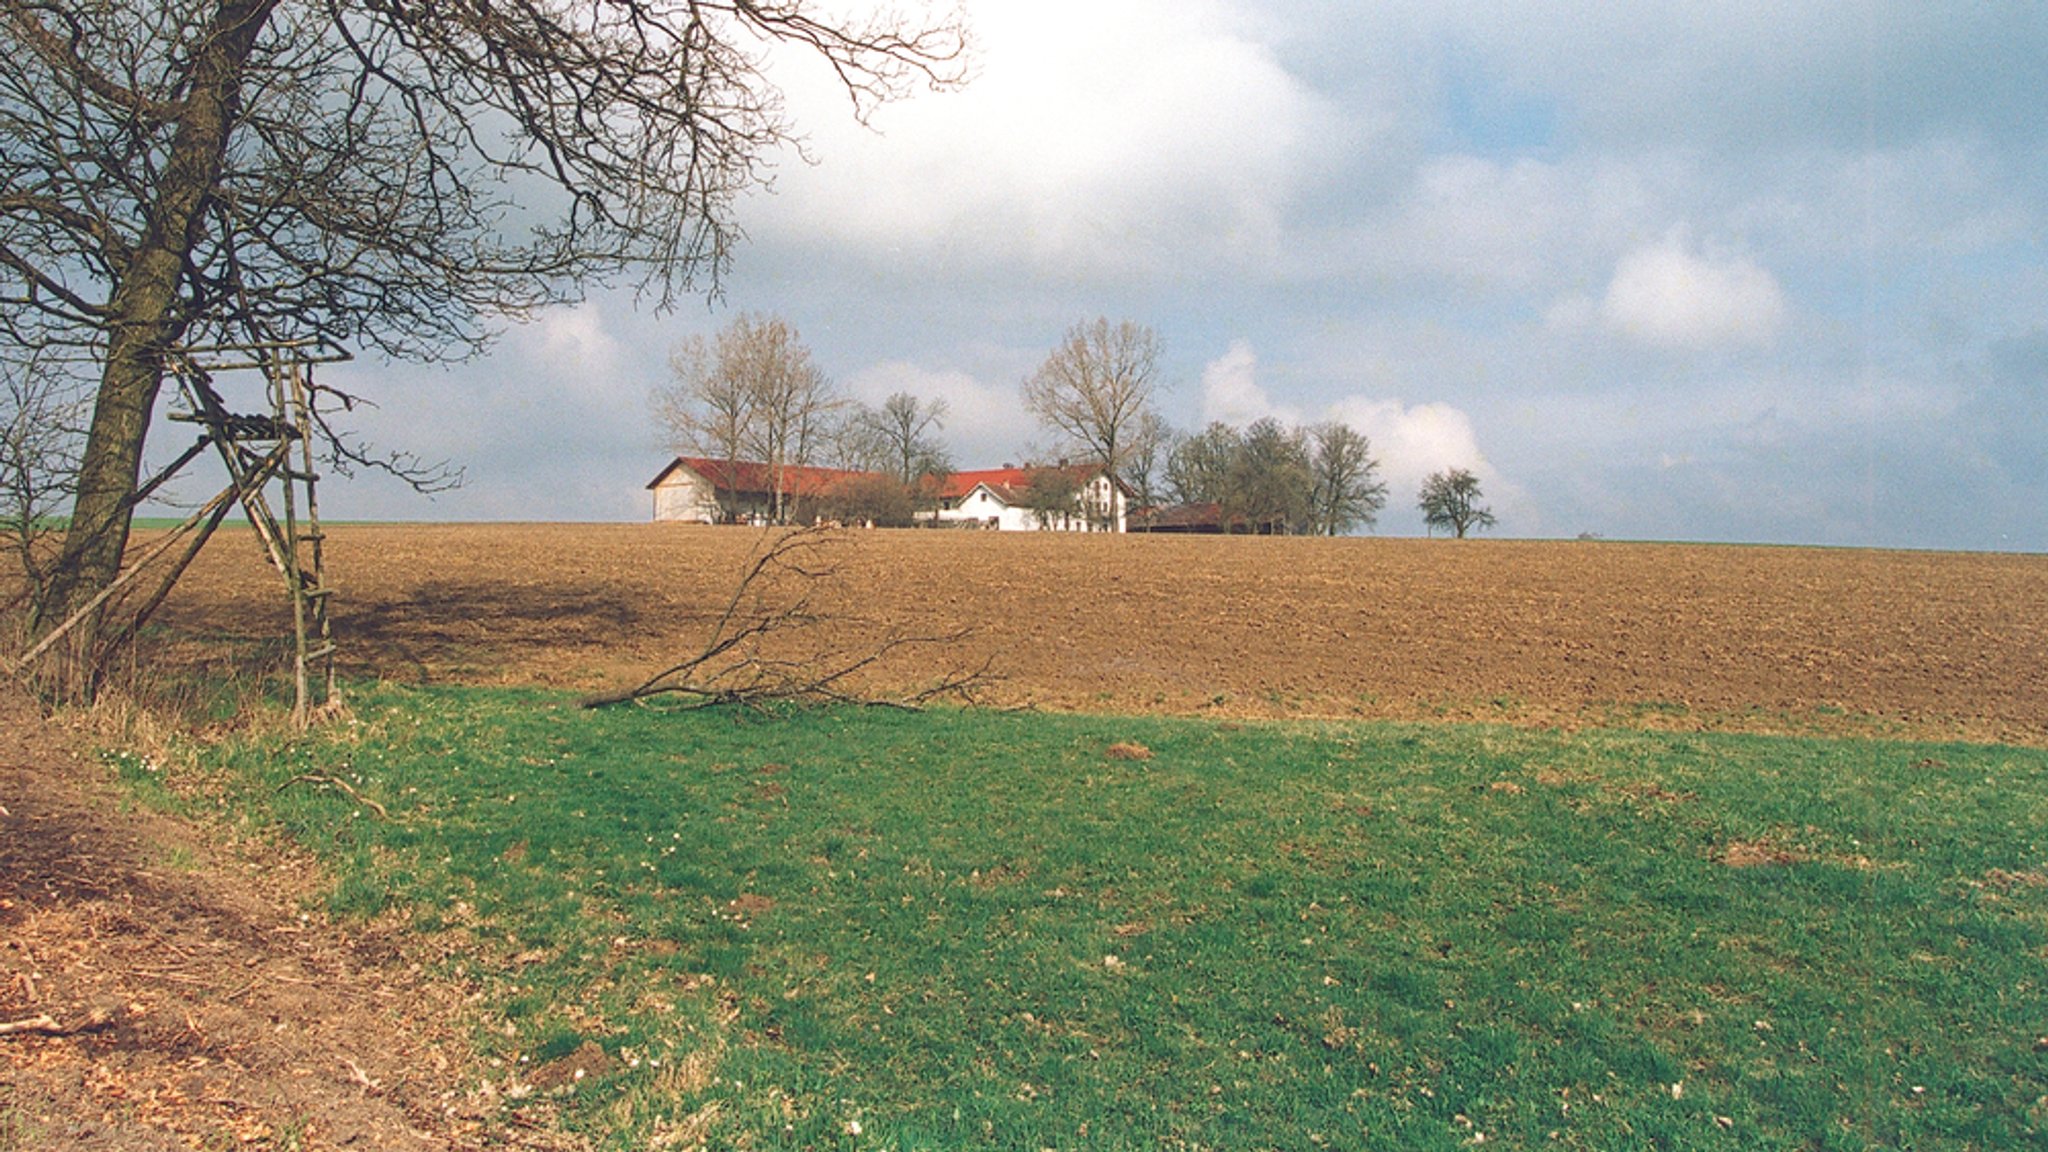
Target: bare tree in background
(751, 393)
(42, 428)
(1346, 490)
(382, 174)
(1147, 458)
(1096, 388)
(793, 403)
(903, 434)
(705, 410)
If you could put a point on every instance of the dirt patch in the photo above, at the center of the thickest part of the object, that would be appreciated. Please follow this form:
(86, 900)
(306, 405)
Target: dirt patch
(1758, 854)
(189, 1005)
(1548, 633)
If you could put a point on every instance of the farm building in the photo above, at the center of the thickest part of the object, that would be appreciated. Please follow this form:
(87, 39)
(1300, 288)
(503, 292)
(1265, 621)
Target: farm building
(700, 490)
(1002, 498)
(1205, 519)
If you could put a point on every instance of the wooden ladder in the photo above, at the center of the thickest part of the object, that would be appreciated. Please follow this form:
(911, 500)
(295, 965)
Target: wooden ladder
(279, 446)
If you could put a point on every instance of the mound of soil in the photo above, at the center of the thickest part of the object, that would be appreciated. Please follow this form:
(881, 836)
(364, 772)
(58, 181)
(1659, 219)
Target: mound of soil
(157, 992)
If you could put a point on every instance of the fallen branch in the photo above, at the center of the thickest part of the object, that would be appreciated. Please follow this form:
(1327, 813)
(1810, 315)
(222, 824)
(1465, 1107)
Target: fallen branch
(334, 782)
(356, 1073)
(44, 1024)
(773, 603)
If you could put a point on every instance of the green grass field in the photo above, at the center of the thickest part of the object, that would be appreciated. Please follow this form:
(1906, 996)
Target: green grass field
(867, 929)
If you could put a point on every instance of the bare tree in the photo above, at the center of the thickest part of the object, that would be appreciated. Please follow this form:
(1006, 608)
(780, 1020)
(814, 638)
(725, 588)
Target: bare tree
(1149, 448)
(1450, 499)
(1096, 388)
(793, 403)
(774, 641)
(42, 426)
(752, 393)
(1346, 490)
(707, 410)
(902, 435)
(378, 174)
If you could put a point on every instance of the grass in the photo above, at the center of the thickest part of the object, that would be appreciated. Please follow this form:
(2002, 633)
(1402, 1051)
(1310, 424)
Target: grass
(841, 929)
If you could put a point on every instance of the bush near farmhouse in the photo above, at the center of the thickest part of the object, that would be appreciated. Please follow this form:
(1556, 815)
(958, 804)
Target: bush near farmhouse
(880, 500)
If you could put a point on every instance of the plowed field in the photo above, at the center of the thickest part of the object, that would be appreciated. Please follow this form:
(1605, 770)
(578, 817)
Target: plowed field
(1566, 633)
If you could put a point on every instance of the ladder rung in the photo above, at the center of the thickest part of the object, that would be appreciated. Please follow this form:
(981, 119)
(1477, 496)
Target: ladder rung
(316, 593)
(320, 653)
(312, 535)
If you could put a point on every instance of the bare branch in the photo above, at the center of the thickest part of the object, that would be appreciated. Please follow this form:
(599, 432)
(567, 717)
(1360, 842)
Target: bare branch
(769, 643)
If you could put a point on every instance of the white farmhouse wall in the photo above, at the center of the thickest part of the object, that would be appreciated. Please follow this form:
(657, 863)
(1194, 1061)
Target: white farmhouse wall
(1103, 493)
(685, 496)
(981, 506)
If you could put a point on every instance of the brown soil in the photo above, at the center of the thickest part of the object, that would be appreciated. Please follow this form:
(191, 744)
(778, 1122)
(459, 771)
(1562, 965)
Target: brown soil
(163, 993)
(1564, 633)
(189, 1005)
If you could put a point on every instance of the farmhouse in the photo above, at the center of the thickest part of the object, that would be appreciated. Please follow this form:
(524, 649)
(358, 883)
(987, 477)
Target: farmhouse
(1087, 499)
(1073, 498)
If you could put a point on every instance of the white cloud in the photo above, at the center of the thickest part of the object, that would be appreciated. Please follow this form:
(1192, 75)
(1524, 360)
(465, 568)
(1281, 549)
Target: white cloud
(1412, 442)
(572, 342)
(1231, 392)
(1086, 152)
(1665, 295)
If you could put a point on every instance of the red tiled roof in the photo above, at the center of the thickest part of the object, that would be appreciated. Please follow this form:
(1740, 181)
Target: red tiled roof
(1008, 483)
(754, 478)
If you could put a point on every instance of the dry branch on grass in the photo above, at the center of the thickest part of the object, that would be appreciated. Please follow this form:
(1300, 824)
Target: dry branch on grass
(773, 642)
(341, 785)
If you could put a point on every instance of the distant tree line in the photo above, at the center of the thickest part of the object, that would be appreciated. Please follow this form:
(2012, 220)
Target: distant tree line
(752, 393)
(1319, 480)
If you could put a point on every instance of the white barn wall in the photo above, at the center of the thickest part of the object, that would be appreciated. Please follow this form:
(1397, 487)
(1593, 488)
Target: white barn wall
(683, 495)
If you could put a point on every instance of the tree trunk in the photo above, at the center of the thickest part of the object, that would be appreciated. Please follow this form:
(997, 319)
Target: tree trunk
(147, 316)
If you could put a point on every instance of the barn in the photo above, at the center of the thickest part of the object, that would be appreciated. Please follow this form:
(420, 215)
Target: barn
(700, 490)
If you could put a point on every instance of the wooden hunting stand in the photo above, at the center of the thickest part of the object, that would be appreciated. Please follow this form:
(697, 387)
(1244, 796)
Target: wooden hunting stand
(257, 450)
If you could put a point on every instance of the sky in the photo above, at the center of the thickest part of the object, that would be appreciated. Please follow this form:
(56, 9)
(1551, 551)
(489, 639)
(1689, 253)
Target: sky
(1744, 271)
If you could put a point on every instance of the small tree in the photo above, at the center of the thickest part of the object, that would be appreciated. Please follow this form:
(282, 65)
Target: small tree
(42, 428)
(1346, 490)
(1198, 466)
(1054, 496)
(1268, 483)
(1450, 500)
